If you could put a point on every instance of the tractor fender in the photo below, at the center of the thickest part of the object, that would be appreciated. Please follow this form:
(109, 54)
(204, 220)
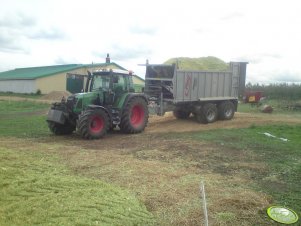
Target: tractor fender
(132, 95)
(92, 106)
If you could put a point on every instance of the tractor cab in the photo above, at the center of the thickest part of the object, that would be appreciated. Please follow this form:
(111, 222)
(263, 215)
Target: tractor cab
(109, 84)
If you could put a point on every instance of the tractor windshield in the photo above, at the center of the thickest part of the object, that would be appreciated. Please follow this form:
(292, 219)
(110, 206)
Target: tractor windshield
(100, 82)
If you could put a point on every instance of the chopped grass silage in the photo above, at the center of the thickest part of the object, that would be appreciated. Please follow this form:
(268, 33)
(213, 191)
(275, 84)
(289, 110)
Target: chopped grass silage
(36, 189)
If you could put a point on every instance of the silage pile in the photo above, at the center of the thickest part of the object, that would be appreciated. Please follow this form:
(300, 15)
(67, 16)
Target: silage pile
(56, 95)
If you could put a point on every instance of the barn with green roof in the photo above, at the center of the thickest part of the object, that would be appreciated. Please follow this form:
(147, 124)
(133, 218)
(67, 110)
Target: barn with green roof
(68, 77)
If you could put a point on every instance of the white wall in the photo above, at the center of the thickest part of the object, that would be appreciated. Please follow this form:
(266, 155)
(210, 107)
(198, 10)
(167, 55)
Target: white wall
(18, 86)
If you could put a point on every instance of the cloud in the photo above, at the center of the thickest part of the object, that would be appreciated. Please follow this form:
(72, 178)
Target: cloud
(18, 30)
(272, 55)
(201, 30)
(142, 30)
(48, 34)
(122, 53)
(287, 76)
(12, 37)
(66, 60)
(231, 16)
(11, 42)
(17, 20)
(259, 57)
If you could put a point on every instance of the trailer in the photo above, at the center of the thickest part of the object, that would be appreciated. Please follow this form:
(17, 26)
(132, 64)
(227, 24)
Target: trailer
(208, 95)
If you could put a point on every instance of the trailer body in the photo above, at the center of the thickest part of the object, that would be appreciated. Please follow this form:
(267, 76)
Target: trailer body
(169, 88)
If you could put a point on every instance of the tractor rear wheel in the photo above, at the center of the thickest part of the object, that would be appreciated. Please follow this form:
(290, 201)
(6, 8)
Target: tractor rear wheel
(134, 116)
(59, 129)
(93, 124)
(226, 110)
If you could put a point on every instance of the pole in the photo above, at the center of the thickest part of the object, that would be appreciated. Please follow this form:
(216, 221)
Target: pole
(202, 188)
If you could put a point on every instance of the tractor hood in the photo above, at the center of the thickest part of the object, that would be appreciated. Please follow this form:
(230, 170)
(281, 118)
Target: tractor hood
(83, 100)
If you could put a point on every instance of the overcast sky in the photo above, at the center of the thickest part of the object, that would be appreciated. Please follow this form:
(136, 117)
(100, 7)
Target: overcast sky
(265, 33)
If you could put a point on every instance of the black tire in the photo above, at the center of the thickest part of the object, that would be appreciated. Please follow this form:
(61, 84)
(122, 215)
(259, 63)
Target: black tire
(93, 124)
(181, 114)
(208, 114)
(59, 129)
(199, 117)
(134, 117)
(226, 110)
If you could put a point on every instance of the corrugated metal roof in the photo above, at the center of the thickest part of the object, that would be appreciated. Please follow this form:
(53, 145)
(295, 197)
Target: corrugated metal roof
(39, 72)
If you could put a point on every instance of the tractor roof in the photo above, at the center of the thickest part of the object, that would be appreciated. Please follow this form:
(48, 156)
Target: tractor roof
(115, 71)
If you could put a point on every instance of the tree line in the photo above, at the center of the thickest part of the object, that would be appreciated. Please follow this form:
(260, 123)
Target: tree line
(277, 91)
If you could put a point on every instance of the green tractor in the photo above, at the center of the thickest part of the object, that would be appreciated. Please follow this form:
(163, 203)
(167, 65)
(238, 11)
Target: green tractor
(109, 101)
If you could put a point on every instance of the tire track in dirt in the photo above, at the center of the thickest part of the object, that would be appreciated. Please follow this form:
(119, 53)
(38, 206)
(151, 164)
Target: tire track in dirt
(168, 123)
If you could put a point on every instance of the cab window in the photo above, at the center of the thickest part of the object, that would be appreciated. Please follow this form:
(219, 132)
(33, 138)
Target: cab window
(101, 82)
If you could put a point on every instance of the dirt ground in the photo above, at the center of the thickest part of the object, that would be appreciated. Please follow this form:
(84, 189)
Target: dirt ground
(169, 123)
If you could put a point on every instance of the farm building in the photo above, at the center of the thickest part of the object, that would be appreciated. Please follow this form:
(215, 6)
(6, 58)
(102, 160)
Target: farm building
(68, 77)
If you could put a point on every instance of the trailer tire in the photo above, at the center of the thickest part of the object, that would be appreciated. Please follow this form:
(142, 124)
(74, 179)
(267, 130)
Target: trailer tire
(199, 117)
(93, 124)
(181, 114)
(134, 117)
(207, 114)
(226, 110)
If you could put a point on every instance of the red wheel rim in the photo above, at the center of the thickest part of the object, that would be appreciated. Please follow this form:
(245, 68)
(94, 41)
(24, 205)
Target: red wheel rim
(137, 115)
(96, 124)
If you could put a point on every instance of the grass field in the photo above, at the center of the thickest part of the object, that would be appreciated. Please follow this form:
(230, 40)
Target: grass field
(282, 177)
(10, 107)
(146, 178)
(23, 119)
(31, 95)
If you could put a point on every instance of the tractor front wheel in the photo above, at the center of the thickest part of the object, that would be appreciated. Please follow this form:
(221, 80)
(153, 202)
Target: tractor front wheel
(93, 124)
(59, 129)
(134, 116)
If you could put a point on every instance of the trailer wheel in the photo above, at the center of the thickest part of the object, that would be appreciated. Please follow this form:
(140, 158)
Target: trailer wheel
(207, 114)
(181, 114)
(226, 110)
(134, 116)
(93, 124)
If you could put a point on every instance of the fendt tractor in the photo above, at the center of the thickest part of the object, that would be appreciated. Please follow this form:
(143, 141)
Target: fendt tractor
(109, 100)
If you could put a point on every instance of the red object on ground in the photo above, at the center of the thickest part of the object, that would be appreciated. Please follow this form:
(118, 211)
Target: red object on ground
(253, 96)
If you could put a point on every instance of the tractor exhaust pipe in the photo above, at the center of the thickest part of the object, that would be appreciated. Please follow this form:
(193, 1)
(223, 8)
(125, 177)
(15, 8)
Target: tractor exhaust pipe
(88, 81)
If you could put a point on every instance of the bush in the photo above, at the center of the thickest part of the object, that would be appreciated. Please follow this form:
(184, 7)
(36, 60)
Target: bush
(38, 92)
